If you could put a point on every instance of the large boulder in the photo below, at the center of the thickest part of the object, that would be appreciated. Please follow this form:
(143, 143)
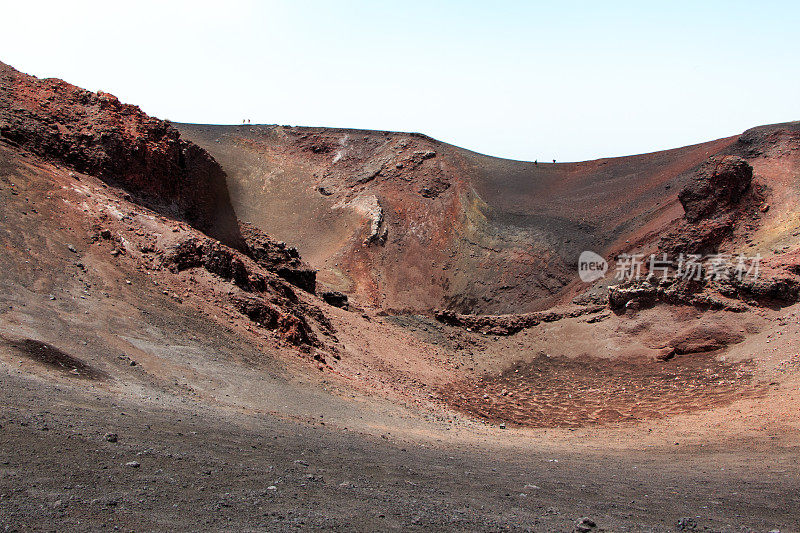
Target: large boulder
(717, 186)
(335, 298)
(714, 202)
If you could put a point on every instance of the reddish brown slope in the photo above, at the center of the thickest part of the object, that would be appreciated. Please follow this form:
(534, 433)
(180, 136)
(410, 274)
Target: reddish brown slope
(96, 134)
(46, 125)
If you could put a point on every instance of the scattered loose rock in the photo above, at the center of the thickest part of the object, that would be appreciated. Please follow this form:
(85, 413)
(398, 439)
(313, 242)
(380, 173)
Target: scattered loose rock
(584, 525)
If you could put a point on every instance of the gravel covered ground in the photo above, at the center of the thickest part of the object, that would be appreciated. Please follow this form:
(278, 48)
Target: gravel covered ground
(196, 468)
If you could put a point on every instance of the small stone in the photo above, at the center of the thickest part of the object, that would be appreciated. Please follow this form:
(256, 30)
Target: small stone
(584, 525)
(110, 437)
(666, 353)
(133, 464)
(72, 249)
(272, 487)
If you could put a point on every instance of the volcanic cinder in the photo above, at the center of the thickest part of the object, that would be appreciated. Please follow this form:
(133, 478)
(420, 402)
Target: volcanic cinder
(272, 327)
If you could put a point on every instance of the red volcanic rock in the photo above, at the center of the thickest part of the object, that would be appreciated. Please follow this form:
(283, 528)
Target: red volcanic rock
(701, 237)
(278, 258)
(95, 134)
(778, 280)
(510, 324)
(714, 202)
(718, 185)
(230, 264)
(225, 262)
(290, 327)
(335, 298)
(265, 299)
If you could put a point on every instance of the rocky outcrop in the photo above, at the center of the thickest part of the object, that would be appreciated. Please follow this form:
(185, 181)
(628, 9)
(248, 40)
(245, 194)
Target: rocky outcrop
(717, 197)
(717, 187)
(290, 327)
(265, 299)
(774, 284)
(620, 296)
(720, 202)
(703, 294)
(96, 134)
(784, 288)
(512, 323)
(225, 262)
(278, 258)
(777, 282)
(335, 298)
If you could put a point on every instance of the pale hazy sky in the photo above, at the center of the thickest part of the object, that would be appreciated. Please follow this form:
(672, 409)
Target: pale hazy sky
(526, 80)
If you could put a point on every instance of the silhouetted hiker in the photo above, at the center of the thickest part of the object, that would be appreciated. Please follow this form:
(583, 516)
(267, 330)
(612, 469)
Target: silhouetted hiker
(554, 160)
(536, 162)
